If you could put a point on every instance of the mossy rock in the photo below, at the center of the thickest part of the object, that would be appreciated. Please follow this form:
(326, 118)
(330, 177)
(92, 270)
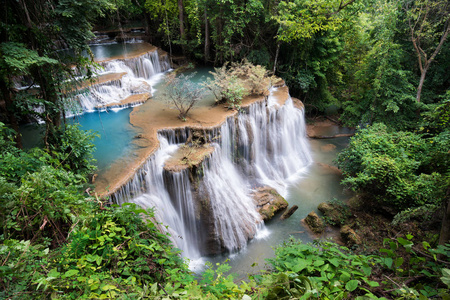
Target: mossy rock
(333, 213)
(315, 223)
(349, 236)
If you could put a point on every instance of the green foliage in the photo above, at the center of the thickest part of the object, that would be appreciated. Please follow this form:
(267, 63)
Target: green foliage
(112, 254)
(20, 262)
(304, 19)
(389, 168)
(16, 58)
(46, 202)
(14, 163)
(232, 84)
(381, 90)
(74, 149)
(406, 260)
(333, 272)
(285, 285)
(182, 93)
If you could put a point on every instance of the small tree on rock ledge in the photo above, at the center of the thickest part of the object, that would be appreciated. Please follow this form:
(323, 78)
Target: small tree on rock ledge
(182, 93)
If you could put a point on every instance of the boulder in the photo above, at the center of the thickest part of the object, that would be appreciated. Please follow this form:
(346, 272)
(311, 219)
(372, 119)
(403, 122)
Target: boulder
(315, 223)
(349, 236)
(268, 202)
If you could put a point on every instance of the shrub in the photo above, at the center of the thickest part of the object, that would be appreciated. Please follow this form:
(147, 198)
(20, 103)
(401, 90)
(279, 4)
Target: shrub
(333, 271)
(389, 168)
(46, 204)
(182, 93)
(231, 84)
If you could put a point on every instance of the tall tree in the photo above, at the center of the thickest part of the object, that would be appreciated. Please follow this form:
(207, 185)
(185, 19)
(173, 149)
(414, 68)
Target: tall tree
(32, 33)
(429, 25)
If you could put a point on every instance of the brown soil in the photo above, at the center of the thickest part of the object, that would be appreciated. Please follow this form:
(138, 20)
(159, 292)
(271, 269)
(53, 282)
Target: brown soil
(153, 116)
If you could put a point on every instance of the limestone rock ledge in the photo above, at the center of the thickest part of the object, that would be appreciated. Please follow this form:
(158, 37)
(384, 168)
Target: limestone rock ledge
(187, 157)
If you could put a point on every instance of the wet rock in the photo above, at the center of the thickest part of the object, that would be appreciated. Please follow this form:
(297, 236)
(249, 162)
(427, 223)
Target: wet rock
(328, 148)
(268, 202)
(349, 236)
(325, 169)
(289, 212)
(298, 104)
(315, 223)
(138, 87)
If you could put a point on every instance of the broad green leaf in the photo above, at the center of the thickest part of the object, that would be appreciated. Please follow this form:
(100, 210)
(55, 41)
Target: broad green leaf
(71, 273)
(351, 285)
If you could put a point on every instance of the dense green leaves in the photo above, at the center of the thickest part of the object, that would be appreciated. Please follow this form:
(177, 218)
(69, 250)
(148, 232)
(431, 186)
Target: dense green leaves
(391, 168)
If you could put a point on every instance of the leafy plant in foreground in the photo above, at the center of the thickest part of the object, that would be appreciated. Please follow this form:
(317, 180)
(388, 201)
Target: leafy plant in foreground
(334, 272)
(112, 255)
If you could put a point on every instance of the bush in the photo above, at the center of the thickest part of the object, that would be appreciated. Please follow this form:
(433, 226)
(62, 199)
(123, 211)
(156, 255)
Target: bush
(231, 85)
(46, 204)
(74, 150)
(389, 168)
(182, 93)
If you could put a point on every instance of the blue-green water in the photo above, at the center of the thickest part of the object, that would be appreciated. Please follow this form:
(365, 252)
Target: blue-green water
(116, 134)
(113, 127)
(102, 52)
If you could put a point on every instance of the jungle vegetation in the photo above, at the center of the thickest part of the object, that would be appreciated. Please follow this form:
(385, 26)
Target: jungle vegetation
(380, 66)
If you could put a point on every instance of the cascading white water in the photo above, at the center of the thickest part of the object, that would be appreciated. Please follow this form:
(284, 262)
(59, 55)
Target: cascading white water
(170, 195)
(273, 142)
(265, 146)
(141, 73)
(233, 211)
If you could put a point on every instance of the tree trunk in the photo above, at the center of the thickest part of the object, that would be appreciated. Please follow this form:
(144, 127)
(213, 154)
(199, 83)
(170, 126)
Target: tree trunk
(276, 57)
(422, 79)
(207, 38)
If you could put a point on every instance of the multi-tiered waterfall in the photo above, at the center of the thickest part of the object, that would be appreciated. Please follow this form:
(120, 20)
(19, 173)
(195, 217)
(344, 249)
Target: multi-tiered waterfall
(124, 82)
(207, 205)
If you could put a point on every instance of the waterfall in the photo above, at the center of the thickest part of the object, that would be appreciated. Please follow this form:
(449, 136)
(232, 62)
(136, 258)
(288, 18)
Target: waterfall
(208, 208)
(170, 194)
(136, 77)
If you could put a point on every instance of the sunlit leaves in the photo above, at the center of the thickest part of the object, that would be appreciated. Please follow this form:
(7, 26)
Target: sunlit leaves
(303, 19)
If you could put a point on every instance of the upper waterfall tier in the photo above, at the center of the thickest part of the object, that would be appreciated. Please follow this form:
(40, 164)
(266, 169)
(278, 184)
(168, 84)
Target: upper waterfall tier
(124, 81)
(263, 145)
